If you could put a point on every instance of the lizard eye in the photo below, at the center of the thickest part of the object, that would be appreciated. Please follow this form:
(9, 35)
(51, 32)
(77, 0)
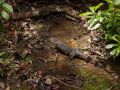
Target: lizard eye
(79, 49)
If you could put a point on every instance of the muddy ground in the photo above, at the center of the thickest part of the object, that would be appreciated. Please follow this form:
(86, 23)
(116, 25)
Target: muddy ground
(40, 67)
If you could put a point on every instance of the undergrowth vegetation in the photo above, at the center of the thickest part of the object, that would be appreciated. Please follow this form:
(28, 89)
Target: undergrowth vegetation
(107, 20)
(5, 11)
(6, 59)
(10, 64)
(95, 81)
(28, 61)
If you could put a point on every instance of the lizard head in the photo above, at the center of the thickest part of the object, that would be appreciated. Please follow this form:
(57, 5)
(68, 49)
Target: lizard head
(53, 40)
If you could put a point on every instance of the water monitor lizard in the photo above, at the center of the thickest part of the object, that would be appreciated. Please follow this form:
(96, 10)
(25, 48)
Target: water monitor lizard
(71, 52)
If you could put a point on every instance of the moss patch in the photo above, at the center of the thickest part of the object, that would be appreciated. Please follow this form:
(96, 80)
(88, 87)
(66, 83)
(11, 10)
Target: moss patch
(94, 81)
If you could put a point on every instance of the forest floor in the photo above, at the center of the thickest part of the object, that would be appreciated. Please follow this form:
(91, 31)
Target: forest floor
(29, 62)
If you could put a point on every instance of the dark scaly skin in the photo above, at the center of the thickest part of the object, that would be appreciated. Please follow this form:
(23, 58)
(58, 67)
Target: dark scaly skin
(71, 52)
(60, 46)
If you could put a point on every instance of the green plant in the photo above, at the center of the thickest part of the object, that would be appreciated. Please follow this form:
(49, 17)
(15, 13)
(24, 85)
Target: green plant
(94, 80)
(6, 59)
(115, 47)
(6, 9)
(94, 18)
(108, 21)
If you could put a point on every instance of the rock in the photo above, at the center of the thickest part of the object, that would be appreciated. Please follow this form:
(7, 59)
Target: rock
(2, 85)
(48, 81)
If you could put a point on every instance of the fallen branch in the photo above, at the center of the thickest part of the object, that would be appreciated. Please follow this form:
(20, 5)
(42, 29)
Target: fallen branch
(68, 11)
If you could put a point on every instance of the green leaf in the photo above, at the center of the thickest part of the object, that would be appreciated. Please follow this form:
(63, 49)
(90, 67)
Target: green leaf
(11, 59)
(113, 52)
(2, 1)
(98, 6)
(117, 51)
(111, 6)
(92, 24)
(90, 20)
(1, 27)
(5, 15)
(109, 46)
(117, 2)
(108, 36)
(92, 9)
(116, 38)
(1, 62)
(85, 14)
(2, 53)
(8, 8)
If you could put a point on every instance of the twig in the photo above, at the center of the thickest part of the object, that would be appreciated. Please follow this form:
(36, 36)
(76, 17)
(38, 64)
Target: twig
(65, 83)
(40, 58)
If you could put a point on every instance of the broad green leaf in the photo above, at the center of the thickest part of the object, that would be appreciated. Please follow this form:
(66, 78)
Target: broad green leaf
(8, 8)
(92, 9)
(117, 2)
(91, 19)
(113, 52)
(2, 1)
(109, 46)
(5, 15)
(98, 6)
(111, 6)
(92, 24)
(99, 13)
(116, 38)
(96, 26)
(1, 27)
(99, 18)
(85, 14)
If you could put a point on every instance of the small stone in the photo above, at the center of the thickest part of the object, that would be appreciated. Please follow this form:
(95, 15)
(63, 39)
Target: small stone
(48, 81)
(7, 88)
(2, 85)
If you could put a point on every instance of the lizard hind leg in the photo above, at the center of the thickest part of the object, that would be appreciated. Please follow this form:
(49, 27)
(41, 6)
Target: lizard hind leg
(72, 55)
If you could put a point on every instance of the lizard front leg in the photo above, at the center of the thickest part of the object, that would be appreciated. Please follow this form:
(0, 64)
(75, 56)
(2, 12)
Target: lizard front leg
(54, 52)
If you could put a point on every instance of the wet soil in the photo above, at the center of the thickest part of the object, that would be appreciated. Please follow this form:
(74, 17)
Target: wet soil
(55, 63)
(48, 65)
